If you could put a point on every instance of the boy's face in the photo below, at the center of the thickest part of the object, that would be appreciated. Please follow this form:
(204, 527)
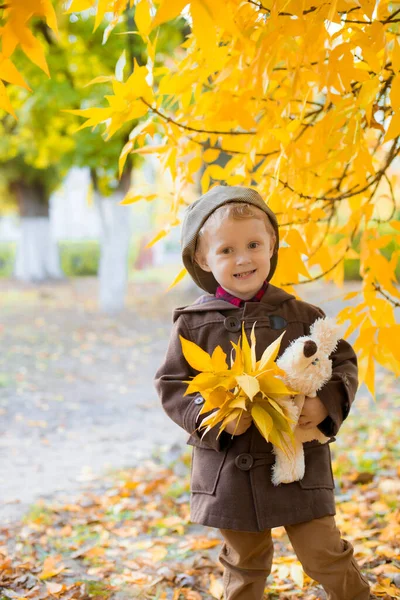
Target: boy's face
(238, 254)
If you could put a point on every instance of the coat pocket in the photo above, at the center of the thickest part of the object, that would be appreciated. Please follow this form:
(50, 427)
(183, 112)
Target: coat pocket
(206, 468)
(318, 471)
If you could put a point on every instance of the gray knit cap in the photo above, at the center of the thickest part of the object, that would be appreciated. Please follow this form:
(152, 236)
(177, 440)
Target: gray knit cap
(196, 215)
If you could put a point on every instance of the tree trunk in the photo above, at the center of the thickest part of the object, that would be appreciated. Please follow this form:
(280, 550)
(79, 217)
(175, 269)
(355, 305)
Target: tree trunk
(116, 235)
(37, 258)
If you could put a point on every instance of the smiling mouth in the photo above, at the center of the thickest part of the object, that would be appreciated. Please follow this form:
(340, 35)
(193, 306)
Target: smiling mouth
(245, 274)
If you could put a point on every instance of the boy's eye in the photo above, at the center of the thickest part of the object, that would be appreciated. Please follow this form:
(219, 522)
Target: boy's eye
(253, 245)
(225, 250)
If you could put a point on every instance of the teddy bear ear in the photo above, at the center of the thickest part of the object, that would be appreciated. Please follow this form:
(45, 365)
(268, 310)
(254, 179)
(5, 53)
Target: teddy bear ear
(326, 334)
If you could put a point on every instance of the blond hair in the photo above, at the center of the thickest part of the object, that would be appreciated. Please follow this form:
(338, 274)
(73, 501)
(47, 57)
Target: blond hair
(237, 211)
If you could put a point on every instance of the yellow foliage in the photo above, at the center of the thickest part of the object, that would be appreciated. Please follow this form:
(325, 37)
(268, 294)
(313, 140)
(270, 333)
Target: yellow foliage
(15, 33)
(167, 10)
(115, 7)
(305, 109)
(247, 385)
(143, 17)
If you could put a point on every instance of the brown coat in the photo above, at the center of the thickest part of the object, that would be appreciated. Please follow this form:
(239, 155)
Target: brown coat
(231, 484)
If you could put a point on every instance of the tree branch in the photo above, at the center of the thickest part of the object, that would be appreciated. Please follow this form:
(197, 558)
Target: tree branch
(260, 6)
(393, 152)
(188, 128)
(371, 22)
(348, 194)
(390, 19)
(321, 275)
(282, 14)
(378, 289)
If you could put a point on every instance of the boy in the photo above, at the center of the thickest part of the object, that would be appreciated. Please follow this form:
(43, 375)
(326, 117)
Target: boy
(230, 243)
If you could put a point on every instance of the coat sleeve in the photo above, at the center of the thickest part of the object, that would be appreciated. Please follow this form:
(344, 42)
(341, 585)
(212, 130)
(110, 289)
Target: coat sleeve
(338, 394)
(170, 385)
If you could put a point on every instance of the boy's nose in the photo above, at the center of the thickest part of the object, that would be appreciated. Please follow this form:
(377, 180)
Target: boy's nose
(243, 259)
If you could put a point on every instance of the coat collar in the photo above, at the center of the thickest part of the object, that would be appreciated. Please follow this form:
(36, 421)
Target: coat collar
(272, 298)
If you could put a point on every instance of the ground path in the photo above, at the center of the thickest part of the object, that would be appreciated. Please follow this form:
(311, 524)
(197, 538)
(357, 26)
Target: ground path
(76, 393)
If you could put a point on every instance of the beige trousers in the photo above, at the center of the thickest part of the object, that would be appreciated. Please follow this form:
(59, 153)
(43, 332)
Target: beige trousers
(325, 557)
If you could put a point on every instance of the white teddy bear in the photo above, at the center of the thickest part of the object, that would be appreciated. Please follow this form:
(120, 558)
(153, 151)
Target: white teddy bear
(307, 368)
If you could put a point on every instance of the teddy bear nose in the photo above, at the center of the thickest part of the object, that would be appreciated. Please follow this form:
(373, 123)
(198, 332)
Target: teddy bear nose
(310, 348)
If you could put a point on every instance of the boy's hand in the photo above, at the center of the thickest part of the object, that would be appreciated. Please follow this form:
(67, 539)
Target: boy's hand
(313, 413)
(244, 423)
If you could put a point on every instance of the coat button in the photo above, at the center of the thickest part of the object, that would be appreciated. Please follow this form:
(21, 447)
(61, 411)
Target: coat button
(232, 324)
(244, 462)
(199, 400)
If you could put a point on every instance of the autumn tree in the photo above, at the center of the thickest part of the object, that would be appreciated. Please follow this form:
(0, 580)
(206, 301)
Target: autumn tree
(40, 142)
(19, 43)
(36, 138)
(109, 189)
(38, 147)
(304, 99)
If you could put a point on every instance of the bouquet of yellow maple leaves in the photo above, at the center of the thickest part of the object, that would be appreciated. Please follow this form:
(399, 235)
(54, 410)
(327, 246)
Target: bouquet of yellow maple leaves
(247, 384)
